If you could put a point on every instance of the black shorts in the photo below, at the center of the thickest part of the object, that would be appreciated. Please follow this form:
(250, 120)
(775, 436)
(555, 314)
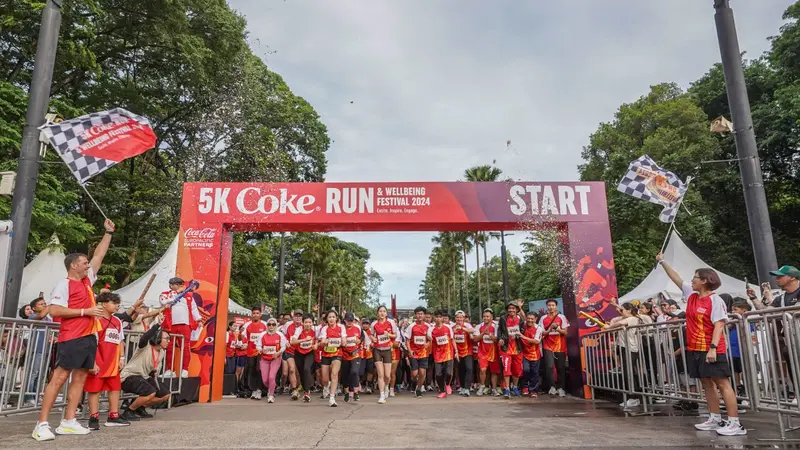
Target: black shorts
(287, 356)
(699, 368)
(419, 363)
(327, 360)
(737, 364)
(77, 353)
(143, 387)
(382, 356)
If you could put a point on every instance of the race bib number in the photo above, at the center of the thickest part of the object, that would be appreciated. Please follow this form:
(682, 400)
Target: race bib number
(270, 349)
(460, 339)
(487, 339)
(305, 345)
(334, 343)
(513, 331)
(419, 340)
(256, 337)
(112, 336)
(441, 340)
(383, 339)
(351, 341)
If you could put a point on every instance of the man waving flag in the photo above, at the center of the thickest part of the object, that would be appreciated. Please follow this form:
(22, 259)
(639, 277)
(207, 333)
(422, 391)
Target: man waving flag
(646, 181)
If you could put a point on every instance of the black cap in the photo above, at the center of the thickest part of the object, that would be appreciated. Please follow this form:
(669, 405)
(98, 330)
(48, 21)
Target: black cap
(349, 317)
(176, 280)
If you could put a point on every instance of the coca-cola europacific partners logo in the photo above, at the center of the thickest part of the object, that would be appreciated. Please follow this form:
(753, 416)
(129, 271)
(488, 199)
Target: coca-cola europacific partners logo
(199, 238)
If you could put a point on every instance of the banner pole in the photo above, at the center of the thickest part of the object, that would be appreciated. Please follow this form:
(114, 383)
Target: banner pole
(94, 201)
(677, 209)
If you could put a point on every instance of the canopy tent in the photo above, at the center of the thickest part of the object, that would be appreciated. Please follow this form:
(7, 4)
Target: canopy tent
(42, 274)
(164, 269)
(685, 262)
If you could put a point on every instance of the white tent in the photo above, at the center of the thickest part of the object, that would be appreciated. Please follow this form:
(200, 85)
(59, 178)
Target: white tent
(42, 274)
(685, 262)
(164, 269)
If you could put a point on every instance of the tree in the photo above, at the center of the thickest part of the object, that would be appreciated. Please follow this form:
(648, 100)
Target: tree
(485, 173)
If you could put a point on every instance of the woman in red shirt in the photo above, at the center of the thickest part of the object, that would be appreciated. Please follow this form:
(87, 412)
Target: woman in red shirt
(384, 332)
(331, 337)
(305, 345)
(706, 358)
(273, 343)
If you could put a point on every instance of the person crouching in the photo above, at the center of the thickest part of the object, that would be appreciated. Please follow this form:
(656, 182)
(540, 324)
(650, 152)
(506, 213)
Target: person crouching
(138, 375)
(109, 359)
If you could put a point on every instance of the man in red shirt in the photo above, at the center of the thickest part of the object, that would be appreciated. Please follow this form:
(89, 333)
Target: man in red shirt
(510, 328)
(444, 349)
(72, 303)
(555, 348)
(706, 358)
(418, 341)
(251, 336)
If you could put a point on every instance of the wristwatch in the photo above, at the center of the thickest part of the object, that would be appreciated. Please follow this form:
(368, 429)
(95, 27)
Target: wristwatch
(714, 346)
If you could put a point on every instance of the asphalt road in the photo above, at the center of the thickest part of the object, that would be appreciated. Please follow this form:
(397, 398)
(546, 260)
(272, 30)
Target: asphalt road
(403, 422)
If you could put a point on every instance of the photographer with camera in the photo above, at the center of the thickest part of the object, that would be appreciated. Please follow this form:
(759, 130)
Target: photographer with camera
(138, 376)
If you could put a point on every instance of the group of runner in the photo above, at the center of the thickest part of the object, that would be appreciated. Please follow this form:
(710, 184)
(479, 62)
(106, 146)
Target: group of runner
(351, 355)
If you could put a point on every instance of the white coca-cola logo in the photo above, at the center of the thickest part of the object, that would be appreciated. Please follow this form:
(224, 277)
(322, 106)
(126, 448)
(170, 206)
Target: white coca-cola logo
(205, 233)
(250, 201)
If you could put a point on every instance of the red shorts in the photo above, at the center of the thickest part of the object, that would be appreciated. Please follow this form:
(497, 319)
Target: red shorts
(318, 356)
(493, 366)
(396, 355)
(512, 365)
(95, 384)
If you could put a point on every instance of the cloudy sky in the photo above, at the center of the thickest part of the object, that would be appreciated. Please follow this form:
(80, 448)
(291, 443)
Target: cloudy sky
(419, 90)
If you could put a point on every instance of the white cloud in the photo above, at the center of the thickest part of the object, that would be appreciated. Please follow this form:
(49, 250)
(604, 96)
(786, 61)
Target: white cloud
(437, 86)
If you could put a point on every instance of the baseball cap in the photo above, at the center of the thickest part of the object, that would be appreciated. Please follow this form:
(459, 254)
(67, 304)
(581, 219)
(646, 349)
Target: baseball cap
(460, 313)
(349, 317)
(789, 271)
(365, 320)
(297, 311)
(176, 280)
(512, 303)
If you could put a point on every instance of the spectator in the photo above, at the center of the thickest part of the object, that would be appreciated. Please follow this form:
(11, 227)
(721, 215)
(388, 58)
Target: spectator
(38, 342)
(138, 376)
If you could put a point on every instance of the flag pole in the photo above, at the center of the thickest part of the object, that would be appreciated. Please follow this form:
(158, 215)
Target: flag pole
(677, 209)
(94, 201)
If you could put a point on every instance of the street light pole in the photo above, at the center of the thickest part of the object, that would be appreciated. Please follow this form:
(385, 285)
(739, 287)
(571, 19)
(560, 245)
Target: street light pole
(505, 266)
(280, 276)
(28, 166)
(749, 164)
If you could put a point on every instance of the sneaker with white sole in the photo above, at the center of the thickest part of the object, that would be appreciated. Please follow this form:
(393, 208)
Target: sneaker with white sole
(391, 392)
(731, 429)
(184, 374)
(553, 390)
(169, 374)
(271, 399)
(711, 425)
(631, 403)
(561, 393)
(72, 426)
(42, 432)
(332, 402)
(382, 399)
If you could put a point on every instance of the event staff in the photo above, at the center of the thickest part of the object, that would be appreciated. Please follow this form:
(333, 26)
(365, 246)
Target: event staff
(180, 318)
(72, 303)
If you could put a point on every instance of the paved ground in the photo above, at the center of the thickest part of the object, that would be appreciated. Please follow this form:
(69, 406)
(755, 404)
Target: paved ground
(403, 422)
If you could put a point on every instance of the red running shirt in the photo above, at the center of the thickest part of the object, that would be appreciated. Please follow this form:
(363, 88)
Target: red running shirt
(271, 344)
(379, 329)
(442, 343)
(336, 336)
(417, 336)
(252, 337)
(351, 349)
(306, 346)
(487, 348)
(512, 325)
(701, 315)
(554, 341)
(531, 351)
(463, 339)
(109, 347)
(76, 295)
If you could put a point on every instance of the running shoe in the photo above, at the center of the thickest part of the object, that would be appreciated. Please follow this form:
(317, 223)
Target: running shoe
(479, 392)
(507, 393)
(442, 395)
(356, 397)
(295, 394)
(306, 397)
(382, 399)
(525, 391)
(71, 427)
(553, 390)
(42, 432)
(271, 399)
(346, 397)
(332, 401)
(533, 394)
(711, 425)
(94, 423)
(731, 429)
(417, 393)
(448, 390)
(515, 391)
(130, 416)
(391, 392)
(116, 422)
(142, 413)
(561, 393)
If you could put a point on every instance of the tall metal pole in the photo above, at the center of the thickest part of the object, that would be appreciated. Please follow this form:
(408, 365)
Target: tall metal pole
(749, 164)
(281, 269)
(505, 266)
(28, 168)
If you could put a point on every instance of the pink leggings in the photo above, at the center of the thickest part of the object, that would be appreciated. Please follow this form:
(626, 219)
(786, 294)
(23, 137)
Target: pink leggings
(269, 369)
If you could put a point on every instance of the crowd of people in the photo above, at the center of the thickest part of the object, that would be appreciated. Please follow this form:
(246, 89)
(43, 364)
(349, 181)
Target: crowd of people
(432, 353)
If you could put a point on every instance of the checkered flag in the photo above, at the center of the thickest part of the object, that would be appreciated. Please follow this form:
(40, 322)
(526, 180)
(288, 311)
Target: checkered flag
(95, 142)
(646, 181)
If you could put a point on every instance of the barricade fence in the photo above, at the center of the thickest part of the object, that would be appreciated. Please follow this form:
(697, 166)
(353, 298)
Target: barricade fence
(647, 363)
(27, 359)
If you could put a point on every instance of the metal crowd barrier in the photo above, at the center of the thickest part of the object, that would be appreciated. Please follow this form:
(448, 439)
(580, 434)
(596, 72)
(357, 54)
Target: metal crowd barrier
(648, 362)
(27, 357)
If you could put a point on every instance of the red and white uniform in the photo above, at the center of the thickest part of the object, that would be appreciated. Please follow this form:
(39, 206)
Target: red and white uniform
(230, 345)
(553, 340)
(272, 345)
(288, 329)
(418, 340)
(181, 318)
(531, 351)
(251, 336)
(701, 315)
(512, 357)
(306, 346)
(351, 349)
(366, 347)
(462, 335)
(379, 330)
(512, 326)
(76, 295)
(110, 341)
(487, 347)
(442, 343)
(335, 336)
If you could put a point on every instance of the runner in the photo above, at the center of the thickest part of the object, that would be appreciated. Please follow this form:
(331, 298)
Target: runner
(305, 343)
(555, 347)
(351, 357)
(273, 343)
(531, 353)
(72, 303)
(251, 336)
(383, 333)
(108, 362)
(443, 351)
(705, 344)
(397, 355)
(330, 338)
(367, 363)
(418, 340)
(462, 335)
(289, 367)
(510, 328)
(486, 336)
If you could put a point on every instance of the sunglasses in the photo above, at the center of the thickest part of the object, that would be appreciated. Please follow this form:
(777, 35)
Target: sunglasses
(272, 324)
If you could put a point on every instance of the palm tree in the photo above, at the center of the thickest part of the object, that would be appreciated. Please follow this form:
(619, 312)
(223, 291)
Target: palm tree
(316, 249)
(462, 240)
(484, 173)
